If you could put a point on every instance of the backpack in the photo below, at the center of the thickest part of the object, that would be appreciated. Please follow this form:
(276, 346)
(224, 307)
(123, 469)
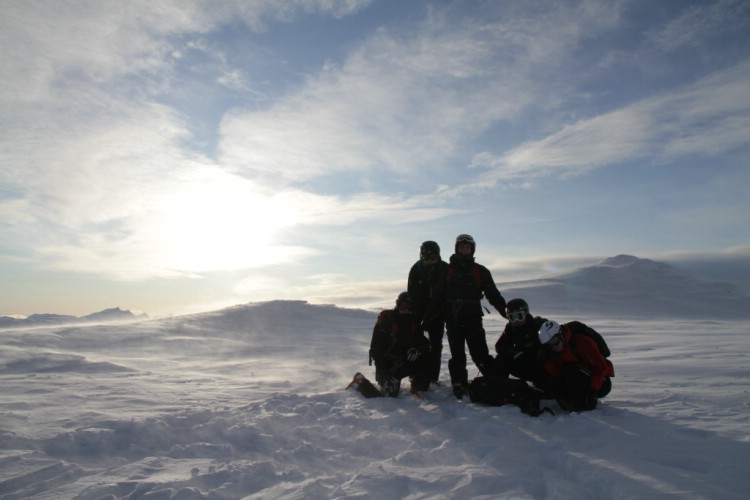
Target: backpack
(497, 391)
(381, 341)
(580, 328)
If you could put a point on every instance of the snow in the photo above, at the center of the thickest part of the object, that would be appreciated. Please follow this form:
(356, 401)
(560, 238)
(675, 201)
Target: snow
(249, 402)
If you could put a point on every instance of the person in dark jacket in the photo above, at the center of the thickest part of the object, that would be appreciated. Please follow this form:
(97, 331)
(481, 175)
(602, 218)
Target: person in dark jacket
(518, 346)
(580, 372)
(425, 277)
(465, 285)
(400, 349)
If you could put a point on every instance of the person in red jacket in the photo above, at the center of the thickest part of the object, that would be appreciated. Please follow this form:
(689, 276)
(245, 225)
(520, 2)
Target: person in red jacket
(580, 373)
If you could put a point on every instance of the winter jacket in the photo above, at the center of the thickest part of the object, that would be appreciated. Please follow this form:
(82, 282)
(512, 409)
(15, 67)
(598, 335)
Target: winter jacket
(394, 334)
(465, 285)
(423, 285)
(517, 340)
(584, 353)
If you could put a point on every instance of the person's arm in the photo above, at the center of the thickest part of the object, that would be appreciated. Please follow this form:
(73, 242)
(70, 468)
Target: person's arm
(491, 293)
(592, 358)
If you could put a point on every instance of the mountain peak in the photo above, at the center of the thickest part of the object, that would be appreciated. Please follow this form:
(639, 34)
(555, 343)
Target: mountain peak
(625, 285)
(622, 260)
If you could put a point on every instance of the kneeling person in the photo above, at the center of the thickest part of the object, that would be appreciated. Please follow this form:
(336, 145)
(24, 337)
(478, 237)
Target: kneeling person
(580, 372)
(400, 349)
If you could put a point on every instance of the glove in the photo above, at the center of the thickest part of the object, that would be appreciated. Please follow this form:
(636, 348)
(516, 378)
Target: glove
(413, 354)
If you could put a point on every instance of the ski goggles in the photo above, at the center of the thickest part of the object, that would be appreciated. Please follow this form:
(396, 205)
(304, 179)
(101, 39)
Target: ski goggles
(556, 339)
(516, 315)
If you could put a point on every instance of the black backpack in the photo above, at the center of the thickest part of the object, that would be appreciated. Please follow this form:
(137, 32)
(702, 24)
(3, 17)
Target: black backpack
(497, 391)
(580, 328)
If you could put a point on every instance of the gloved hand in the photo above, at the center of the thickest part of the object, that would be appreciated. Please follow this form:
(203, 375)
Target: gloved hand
(413, 354)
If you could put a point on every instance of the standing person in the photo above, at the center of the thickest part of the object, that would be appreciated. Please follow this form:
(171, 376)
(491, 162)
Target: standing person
(425, 278)
(581, 374)
(400, 349)
(465, 285)
(518, 346)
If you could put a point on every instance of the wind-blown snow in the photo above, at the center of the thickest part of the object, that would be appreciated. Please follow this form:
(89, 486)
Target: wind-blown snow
(248, 402)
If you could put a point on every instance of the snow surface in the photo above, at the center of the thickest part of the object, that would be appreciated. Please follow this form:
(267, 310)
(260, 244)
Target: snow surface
(249, 402)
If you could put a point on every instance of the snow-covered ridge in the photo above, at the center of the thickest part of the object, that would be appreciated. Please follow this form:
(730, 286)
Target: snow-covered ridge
(107, 315)
(652, 289)
(626, 286)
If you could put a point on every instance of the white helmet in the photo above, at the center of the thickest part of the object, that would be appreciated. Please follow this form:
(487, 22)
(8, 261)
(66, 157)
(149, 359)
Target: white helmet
(548, 330)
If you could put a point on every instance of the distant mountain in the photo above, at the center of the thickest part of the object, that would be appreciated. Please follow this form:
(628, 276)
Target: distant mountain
(105, 316)
(628, 286)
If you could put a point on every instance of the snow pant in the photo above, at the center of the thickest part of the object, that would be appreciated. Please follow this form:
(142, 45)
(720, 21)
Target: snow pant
(390, 370)
(524, 365)
(467, 332)
(573, 390)
(435, 332)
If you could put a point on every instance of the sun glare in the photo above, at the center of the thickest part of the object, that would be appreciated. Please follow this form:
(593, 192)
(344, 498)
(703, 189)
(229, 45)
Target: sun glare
(219, 222)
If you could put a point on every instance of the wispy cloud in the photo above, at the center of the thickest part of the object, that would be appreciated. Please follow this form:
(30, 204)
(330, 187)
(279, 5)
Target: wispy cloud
(709, 117)
(104, 172)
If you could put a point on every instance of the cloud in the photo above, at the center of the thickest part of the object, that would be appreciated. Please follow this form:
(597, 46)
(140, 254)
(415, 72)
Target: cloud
(701, 23)
(102, 174)
(406, 103)
(711, 116)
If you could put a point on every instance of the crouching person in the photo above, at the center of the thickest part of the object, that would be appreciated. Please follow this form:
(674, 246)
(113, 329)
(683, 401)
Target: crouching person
(400, 349)
(580, 372)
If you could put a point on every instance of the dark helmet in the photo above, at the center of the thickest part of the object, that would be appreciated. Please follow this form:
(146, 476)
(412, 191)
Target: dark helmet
(429, 249)
(516, 309)
(466, 238)
(404, 297)
(517, 305)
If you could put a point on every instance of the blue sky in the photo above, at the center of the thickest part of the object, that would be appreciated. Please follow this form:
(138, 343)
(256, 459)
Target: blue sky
(172, 157)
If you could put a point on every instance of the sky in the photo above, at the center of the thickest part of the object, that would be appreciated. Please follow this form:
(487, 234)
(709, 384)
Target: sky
(174, 157)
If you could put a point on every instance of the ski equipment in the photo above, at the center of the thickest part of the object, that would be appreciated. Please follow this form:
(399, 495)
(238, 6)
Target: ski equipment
(466, 238)
(363, 386)
(429, 250)
(548, 330)
(516, 310)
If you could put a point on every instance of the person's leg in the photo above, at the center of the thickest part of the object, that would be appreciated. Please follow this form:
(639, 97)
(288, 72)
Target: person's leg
(605, 388)
(457, 363)
(578, 395)
(476, 340)
(389, 382)
(419, 373)
(435, 333)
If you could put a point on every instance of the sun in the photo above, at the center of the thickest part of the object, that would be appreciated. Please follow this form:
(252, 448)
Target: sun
(215, 221)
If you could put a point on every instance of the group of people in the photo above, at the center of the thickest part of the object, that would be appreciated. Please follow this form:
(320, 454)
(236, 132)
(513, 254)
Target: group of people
(445, 297)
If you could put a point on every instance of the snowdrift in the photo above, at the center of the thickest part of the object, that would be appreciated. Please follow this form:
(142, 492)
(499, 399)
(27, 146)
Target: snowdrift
(248, 402)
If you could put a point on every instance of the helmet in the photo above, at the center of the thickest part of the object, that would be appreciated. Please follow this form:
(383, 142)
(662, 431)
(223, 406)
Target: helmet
(516, 309)
(548, 330)
(466, 238)
(404, 297)
(429, 249)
